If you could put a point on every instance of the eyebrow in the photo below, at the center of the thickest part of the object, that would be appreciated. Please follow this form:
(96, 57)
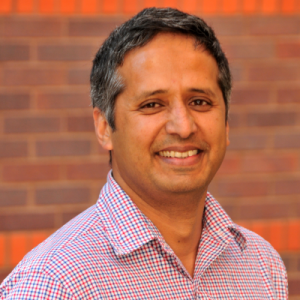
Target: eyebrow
(152, 93)
(155, 92)
(203, 91)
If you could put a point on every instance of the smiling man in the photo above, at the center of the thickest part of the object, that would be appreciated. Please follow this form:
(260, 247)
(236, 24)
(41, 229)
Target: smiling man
(160, 91)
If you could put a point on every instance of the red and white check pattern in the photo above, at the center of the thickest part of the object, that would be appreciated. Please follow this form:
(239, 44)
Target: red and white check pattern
(113, 251)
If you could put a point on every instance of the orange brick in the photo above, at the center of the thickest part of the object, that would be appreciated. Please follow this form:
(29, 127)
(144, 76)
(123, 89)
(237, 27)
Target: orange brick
(249, 6)
(130, 6)
(37, 238)
(150, 3)
(88, 6)
(288, 50)
(169, 3)
(110, 6)
(276, 235)
(237, 188)
(24, 6)
(261, 229)
(46, 6)
(190, 6)
(288, 6)
(87, 171)
(293, 235)
(230, 6)
(2, 250)
(270, 163)
(31, 172)
(269, 6)
(67, 6)
(209, 6)
(5, 6)
(18, 247)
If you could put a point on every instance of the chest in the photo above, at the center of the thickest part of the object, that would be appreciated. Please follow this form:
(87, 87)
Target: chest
(150, 273)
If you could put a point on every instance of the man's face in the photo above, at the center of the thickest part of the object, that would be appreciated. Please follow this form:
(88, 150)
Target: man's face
(171, 134)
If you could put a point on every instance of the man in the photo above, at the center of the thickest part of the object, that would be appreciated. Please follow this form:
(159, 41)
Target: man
(160, 87)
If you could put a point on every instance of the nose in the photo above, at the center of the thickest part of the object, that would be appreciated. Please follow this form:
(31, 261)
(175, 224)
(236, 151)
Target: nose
(180, 122)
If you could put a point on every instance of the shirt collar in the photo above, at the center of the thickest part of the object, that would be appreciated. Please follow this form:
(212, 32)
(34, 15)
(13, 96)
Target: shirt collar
(219, 225)
(127, 228)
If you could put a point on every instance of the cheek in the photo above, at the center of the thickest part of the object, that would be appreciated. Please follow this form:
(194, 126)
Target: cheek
(215, 130)
(135, 135)
(148, 127)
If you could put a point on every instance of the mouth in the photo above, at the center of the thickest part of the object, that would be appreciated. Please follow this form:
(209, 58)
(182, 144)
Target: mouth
(179, 154)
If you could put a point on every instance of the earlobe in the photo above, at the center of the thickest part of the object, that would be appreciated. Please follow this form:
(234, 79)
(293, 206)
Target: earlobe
(227, 134)
(102, 129)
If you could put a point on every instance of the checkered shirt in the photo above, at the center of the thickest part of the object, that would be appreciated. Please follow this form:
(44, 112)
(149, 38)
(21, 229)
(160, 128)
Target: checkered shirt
(113, 251)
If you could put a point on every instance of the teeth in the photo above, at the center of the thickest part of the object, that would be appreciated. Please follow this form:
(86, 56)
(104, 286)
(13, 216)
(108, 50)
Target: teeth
(185, 154)
(178, 154)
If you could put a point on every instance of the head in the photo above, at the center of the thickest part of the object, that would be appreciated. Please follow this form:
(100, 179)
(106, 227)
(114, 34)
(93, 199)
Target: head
(107, 84)
(160, 90)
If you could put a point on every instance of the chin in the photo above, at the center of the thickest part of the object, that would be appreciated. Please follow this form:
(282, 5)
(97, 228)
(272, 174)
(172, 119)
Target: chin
(182, 187)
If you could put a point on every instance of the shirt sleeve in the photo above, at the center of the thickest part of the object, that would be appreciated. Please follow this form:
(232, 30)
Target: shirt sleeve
(274, 270)
(271, 265)
(33, 286)
(279, 277)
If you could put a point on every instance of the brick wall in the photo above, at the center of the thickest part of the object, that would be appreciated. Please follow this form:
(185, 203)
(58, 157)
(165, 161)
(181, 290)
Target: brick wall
(127, 7)
(51, 167)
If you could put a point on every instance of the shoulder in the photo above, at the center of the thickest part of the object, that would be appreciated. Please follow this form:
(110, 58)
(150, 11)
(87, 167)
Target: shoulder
(268, 258)
(34, 286)
(59, 257)
(259, 245)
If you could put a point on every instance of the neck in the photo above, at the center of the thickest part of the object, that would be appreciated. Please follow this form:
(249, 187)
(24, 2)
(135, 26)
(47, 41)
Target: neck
(178, 217)
(180, 229)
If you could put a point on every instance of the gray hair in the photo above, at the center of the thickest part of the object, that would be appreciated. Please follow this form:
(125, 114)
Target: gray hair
(106, 84)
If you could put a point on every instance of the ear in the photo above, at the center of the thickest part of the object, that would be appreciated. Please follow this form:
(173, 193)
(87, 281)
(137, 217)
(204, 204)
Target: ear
(227, 134)
(102, 129)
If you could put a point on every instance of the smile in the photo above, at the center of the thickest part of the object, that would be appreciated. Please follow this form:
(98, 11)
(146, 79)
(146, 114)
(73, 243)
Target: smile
(178, 154)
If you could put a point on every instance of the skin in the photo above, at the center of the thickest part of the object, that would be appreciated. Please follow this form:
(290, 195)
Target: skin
(171, 102)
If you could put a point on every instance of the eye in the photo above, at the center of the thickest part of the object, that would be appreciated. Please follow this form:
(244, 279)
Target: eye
(151, 105)
(201, 105)
(199, 102)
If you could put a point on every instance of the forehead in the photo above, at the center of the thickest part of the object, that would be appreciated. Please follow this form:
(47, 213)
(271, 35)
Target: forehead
(162, 40)
(169, 58)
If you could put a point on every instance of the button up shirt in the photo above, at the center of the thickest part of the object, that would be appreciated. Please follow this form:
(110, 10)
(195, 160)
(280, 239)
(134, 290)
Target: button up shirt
(113, 251)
